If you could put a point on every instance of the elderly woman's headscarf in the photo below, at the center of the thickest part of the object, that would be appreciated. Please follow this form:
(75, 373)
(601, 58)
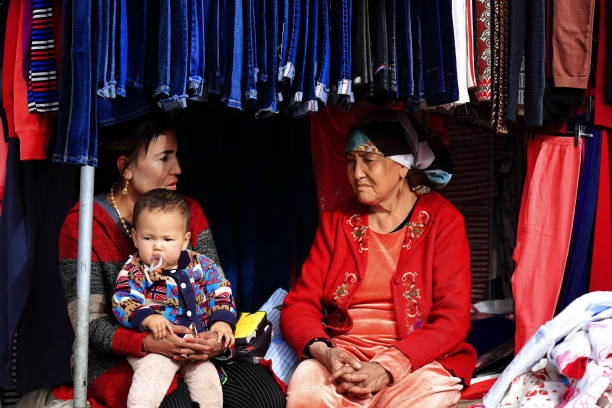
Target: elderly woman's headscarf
(394, 135)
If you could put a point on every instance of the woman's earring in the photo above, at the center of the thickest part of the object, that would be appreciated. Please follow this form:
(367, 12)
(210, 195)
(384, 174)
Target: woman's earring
(124, 191)
(421, 189)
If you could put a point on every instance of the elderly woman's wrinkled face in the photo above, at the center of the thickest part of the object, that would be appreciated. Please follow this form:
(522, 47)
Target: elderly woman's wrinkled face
(157, 167)
(374, 178)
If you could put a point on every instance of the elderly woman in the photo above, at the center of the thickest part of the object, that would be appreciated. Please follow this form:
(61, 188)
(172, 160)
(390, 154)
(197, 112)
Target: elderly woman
(381, 309)
(145, 158)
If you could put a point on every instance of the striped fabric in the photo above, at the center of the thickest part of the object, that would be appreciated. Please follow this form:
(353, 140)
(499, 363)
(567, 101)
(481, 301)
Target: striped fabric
(42, 77)
(472, 191)
(282, 355)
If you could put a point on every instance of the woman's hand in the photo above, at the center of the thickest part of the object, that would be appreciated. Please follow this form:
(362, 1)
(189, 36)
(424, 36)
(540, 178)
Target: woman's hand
(203, 347)
(364, 382)
(333, 358)
(170, 346)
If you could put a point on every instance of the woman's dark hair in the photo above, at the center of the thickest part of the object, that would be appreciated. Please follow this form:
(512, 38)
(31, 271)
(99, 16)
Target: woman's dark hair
(126, 139)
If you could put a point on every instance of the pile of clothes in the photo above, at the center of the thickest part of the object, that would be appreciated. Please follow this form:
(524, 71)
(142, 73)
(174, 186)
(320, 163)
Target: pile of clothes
(567, 363)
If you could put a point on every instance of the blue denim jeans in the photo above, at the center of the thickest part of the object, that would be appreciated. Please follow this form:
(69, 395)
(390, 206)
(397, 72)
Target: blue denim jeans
(417, 54)
(311, 64)
(215, 37)
(342, 40)
(322, 87)
(179, 52)
(404, 51)
(102, 45)
(121, 48)
(233, 89)
(162, 86)
(251, 69)
(195, 79)
(291, 25)
(268, 40)
(77, 137)
(449, 62)
(433, 60)
(300, 62)
(137, 38)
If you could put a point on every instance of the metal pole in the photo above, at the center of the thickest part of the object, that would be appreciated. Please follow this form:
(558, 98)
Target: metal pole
(81, 347)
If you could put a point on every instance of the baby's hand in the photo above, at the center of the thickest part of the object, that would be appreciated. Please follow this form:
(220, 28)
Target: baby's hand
(224, 333)
(158, 326)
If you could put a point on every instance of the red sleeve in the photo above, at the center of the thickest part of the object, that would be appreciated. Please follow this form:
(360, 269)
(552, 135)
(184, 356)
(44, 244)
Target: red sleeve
(302, 314)
(198, 221)
(449, 319)
(128, 342)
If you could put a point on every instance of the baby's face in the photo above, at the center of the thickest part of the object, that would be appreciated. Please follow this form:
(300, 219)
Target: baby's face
(160, 234)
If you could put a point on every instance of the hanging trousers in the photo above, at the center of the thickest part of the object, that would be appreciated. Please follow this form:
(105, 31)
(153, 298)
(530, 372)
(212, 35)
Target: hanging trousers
(572, 38)
(601, 272)
(576, 277)
(544, 231)
(527, 38)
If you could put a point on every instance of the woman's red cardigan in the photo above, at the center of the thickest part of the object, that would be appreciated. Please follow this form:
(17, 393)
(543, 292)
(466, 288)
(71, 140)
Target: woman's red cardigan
(431, 287)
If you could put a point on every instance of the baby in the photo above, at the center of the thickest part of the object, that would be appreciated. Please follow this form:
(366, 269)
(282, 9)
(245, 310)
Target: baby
(163, 285)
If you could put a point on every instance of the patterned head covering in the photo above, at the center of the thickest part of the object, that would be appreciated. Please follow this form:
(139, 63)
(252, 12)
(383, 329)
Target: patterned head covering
(392, 134)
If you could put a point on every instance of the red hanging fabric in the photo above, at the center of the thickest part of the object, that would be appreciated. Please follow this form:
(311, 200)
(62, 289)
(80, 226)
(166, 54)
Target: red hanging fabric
(601, 272)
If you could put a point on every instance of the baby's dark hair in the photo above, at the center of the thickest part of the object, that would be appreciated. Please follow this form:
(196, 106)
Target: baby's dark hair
(162, 200)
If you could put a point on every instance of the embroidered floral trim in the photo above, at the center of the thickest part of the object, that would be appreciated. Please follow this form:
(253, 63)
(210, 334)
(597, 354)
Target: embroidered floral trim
(359, 231)
(415, 229)
(411, 293)
(350, 279)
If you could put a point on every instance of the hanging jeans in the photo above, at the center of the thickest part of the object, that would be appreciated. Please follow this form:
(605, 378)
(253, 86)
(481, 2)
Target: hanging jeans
(450, 92)
(433, 58)
(380, 50)
(404, 50)
(196, 38)
(234, 23)
(291, 24)
(341, 38)
(362, 58)
(297, 93)
(544, 231)
(417, 52)
(309, 101)
(322, 88)
(527, 37)
(174, 51)
(137, 11)
(268, 40)
(576, 277)
(601, 273)
(251, 51)
(77, 137)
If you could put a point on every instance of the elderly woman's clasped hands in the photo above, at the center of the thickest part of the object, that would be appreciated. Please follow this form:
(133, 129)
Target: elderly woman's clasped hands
(356, 378)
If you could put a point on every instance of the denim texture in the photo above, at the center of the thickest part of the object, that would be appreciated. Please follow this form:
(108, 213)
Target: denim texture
(251, 69)
(302, 53)
(404, 51)
(449, 61)
(137, 11)
(323, 73)
(433, 62)
(77, 137)
(268, 37)
(233, 90)
(341, 38)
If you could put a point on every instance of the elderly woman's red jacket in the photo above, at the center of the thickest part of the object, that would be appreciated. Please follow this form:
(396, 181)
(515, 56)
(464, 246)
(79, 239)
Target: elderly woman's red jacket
(431, 287)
